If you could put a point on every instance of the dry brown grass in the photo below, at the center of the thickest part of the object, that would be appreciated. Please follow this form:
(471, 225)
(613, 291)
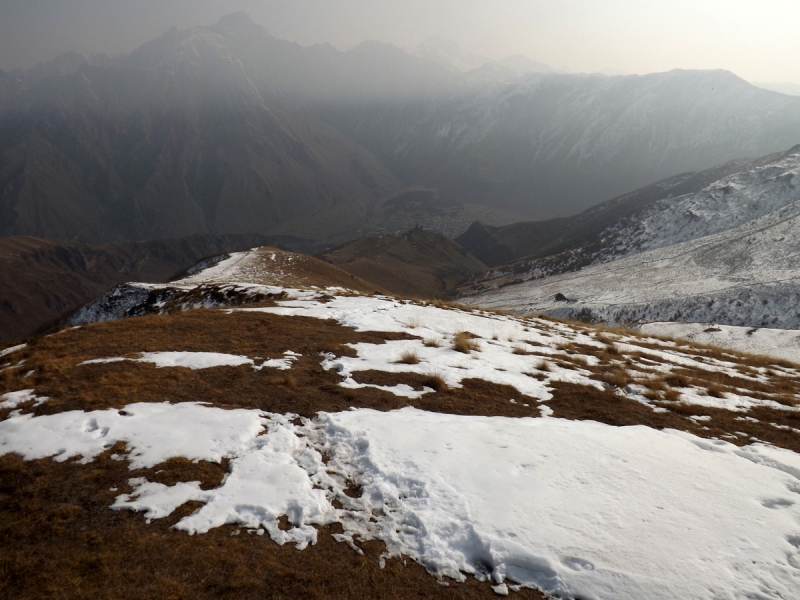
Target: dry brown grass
(618, 378)
(432, 343)
(435, 381)
(520, 350)
(465, 343)
(413, 322)
(408, 357)
(675, 381)
(58, 539)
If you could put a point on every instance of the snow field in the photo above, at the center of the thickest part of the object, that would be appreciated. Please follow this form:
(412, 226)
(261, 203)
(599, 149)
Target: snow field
(778, 343)
(575, 508)
(504, 343)
(497, 337)
(201, 360)
(578, 509)
(14, 399)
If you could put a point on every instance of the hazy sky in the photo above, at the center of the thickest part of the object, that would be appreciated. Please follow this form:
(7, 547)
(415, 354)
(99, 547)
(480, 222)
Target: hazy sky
(757, 39)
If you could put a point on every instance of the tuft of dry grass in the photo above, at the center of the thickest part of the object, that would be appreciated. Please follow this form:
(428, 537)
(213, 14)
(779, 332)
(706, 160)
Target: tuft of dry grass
(676, 381)
(435, 381)
(520, 350)
(287, 380)
(465, 343)
(432, 343)
(408, 357)
(413, 322)
(617, 378)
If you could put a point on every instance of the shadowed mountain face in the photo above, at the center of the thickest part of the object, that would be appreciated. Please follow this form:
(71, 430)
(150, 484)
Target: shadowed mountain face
(552, 145)
(173, 140)
(228, 129)
(418, 263)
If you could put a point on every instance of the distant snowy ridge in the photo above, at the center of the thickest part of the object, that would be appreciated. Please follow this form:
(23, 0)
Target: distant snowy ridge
(729, 254)
(780, 343)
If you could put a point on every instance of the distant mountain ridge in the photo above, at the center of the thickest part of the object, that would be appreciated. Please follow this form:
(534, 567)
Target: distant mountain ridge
(418, 263)
(729, 253)
(582, 236)
(227, 129)
(447, 54)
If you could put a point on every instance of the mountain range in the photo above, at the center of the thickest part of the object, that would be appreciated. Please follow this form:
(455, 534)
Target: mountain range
(228, 129)
(728, 253)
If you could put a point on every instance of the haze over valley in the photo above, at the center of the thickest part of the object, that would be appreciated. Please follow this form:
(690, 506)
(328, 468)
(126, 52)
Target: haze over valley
(228, 129)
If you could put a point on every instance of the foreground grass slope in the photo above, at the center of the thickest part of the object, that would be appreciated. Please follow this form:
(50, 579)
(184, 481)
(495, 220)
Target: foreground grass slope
(307, 351)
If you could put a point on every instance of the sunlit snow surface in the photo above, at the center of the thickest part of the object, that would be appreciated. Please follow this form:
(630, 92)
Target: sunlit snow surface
(576, 508)
(200, 360)
(497, 336)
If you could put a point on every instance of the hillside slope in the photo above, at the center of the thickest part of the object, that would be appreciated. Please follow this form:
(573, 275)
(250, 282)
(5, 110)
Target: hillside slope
(554, 145)
(584, 232)
(418, 263)
(729, 254)
(322, 443)
(227, 129)
(43, 280)
(175, 139)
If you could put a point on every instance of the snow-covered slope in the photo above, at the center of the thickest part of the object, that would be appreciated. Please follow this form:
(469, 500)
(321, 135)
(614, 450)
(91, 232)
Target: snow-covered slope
(729, 254)
(780, 343)
(523, 452)
(724, 205)
(569, 506)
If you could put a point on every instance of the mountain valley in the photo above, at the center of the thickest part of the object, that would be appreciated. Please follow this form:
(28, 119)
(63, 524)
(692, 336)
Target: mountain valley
(228, 129)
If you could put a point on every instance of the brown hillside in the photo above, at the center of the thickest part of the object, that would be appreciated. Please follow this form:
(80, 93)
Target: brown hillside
(418, 263)
(42, 280)
(272, 266)
(58, 537)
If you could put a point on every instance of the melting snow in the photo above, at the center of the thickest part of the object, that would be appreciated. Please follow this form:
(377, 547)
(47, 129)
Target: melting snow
(778, 343)
(154, 433)
(201, 360)
(578, 509)
(11, 349)
(14, 399)
(497, 336)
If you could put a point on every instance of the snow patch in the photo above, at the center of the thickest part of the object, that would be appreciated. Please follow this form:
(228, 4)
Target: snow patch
(570, 507)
